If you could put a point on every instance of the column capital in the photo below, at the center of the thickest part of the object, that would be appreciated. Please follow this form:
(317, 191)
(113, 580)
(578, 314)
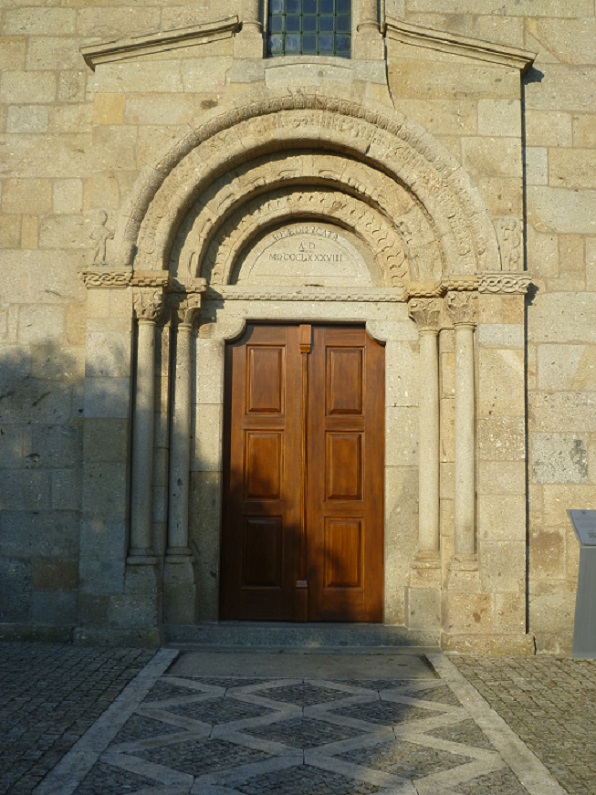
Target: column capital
(185, 309)
(186, 306)
(426, 313)
(148, 305)
(463, 308)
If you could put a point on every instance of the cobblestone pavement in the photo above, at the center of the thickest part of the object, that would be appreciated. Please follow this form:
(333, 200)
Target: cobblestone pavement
(551, 703)
(108, 722)
(50, 694)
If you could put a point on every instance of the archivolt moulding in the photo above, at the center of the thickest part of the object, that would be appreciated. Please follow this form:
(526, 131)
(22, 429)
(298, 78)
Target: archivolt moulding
(271, 123)
(347, 192)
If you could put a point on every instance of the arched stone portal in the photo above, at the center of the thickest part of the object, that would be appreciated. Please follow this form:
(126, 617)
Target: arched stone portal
(206, 232)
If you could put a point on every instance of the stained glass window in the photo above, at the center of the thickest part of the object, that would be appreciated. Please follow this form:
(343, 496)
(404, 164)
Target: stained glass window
(309, 27)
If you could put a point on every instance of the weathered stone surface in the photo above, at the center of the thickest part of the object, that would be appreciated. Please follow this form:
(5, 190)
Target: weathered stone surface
(192, 159)
(559, 458)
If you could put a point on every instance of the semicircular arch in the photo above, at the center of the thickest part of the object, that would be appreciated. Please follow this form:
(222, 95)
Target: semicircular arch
(391, 145)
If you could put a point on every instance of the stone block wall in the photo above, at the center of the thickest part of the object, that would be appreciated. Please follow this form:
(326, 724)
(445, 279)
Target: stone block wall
(558, 117)
(73, 143)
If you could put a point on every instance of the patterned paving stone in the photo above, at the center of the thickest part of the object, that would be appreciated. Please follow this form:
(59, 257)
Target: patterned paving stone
(306, 780)
(378, 684)
(219, 710)
(551, 704)
(51, 694)
(465, 732)
(366, 761)
(405, 759)
(163, 690)
(501, 782)
(227, 681)
(199, 757)
(385, 713)
(304, 732)
(104, 779)
(303, 694)
(142, 728)
(441, 695)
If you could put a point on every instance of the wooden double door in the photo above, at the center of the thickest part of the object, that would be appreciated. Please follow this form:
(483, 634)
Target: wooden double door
(302, 536)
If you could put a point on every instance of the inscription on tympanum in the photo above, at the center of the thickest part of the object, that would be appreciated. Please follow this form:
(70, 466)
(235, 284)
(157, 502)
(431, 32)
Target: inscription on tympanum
(304, 254)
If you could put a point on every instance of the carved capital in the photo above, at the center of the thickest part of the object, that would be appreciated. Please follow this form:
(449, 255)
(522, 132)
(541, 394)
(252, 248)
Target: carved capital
(425, 312)
(186, 309)
(462, 308)
(509, 283)
(148, 305)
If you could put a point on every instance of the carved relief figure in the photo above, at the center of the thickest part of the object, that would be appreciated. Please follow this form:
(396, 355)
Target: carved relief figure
(509, 230)
(100, 234)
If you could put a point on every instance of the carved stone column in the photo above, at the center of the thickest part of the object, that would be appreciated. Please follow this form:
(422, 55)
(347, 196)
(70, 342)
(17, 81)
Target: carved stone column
(462, 308)
(179, 579)
(368, 42)
(424, 588)
(148, 304)
(248, 42)
(426, 314)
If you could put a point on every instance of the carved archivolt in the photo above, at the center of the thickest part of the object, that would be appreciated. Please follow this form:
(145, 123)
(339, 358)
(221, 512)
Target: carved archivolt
(389, 250)
(368, 202)
(390, 146)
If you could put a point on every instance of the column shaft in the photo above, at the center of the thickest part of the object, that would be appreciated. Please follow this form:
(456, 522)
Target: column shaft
(465, 442)
(141, 531)
(428, 508)
(251, 15)
(180, 445)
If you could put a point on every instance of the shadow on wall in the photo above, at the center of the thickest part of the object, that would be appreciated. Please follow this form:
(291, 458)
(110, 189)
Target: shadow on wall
(41, 473)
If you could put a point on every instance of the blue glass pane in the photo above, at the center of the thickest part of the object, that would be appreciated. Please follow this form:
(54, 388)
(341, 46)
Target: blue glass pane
(292, 24)
(276, 24)
(292, 43)
(326, 7)
(344, 24)
(276, 44)
(276, 6)
(309, 23)
(343, 6)
(309, 6)
(292, 6)
(326, 43)
(326, 23)
(309, 43)
(342, 44)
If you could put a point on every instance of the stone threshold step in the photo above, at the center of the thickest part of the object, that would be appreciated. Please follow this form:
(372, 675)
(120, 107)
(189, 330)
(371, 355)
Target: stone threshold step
(311, 637)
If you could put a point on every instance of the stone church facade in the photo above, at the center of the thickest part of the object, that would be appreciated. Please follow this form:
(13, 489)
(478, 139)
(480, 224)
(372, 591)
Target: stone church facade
(297, 316)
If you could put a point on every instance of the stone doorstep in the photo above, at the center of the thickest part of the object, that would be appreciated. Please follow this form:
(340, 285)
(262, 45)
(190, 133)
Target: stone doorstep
(314, 638)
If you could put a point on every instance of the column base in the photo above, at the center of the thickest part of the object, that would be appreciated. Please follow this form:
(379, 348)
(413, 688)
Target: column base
(141, 557)
(464, 574)
(179, 588)
(423, 594)
(139, 608)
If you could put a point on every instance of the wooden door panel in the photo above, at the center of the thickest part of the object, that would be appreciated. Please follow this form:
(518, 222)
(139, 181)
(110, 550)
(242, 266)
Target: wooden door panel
(263, 465)
(303, 484)
(342, 553)
(261, 510)
(343, 460)
(344, 510)
(344, 382)
(262, 558)
(266, 379)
